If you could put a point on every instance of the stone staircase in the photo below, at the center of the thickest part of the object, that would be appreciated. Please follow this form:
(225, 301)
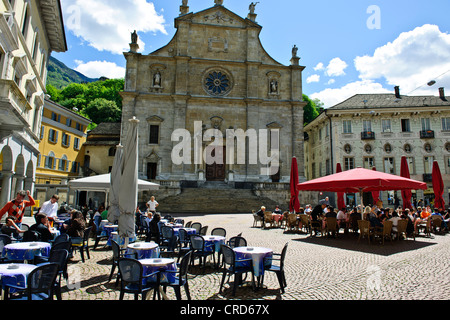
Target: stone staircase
(214, 197)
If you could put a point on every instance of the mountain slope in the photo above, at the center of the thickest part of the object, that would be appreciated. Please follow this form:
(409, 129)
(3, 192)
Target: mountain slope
(59, 75)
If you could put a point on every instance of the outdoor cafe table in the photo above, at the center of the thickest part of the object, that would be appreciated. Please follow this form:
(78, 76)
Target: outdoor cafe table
(15, 274)
(144, 250)
(261, 257)
(188, 230)
(109, 229)
(160, 264)
(216, 240)
(26, 250)
(120, 240)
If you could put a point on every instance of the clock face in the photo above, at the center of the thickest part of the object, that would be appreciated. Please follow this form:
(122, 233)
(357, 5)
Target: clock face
(217, 82)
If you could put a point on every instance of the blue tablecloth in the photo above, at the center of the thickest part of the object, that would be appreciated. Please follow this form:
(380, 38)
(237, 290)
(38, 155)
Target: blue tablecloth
(26, 250)
(161, 264)
(261, 257)
(15, 274)
(144, 250)
(213, 242)
(189, 231)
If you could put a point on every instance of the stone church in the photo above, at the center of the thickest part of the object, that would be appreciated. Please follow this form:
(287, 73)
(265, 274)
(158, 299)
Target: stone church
(215, 75)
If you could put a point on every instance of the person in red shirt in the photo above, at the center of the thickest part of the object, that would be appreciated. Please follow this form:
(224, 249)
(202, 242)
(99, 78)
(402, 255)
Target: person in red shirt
(17, 206)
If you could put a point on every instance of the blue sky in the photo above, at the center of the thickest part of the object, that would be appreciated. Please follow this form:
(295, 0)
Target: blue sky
(348, 46)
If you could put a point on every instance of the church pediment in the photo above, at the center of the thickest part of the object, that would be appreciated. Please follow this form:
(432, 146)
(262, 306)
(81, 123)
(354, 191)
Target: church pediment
(218, 16)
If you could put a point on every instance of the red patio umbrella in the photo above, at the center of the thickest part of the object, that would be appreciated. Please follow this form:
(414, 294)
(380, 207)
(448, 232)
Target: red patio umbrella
(294, 203)
(406, 194)
(361, 180)
(375, 194)
(340, 195)
(438, 186)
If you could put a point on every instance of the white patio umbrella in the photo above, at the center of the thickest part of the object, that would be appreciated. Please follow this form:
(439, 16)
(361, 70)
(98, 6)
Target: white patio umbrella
(116, 174)
(129, 182)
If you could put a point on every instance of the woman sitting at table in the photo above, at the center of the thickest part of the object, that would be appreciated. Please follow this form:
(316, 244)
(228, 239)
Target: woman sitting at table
(76, 227)
(42, 226)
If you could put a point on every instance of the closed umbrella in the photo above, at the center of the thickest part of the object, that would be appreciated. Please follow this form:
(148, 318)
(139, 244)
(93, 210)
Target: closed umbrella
(438, 186)
(375, 194)
(340, 195)
(115, 176)
(406, 194)
(129, 182)
(294, 203)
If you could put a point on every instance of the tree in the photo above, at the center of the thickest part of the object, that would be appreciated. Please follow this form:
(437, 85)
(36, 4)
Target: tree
(311, 110)
(102, 110)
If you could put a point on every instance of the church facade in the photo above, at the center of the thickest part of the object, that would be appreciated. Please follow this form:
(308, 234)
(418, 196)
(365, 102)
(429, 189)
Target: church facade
(211, 85)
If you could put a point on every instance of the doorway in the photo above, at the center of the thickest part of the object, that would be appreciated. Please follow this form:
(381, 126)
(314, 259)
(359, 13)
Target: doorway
(216, 171)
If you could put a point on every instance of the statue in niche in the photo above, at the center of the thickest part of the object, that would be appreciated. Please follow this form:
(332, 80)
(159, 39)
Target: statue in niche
(134, 37)
(157, 79)
(184, 3)
(252, 6)
(294, 51)
(273, 86)
(218, 2)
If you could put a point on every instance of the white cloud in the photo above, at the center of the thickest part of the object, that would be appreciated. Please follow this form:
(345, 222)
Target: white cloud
(331, 81)
(319, 67)
(313, 78)
(336, 67)
(410, 61)
(97, 69)
(107, 25)
(331, 97)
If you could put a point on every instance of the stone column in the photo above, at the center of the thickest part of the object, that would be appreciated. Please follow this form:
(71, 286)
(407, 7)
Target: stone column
(6, 187)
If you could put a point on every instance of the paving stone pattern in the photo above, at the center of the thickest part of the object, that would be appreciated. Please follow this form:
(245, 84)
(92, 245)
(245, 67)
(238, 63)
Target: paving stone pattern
(316, 268)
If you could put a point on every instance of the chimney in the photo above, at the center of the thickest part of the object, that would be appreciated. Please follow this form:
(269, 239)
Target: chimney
(397, 92)
(442, 94)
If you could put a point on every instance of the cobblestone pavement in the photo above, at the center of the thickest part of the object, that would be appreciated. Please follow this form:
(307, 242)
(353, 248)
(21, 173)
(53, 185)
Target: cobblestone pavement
(316, 268)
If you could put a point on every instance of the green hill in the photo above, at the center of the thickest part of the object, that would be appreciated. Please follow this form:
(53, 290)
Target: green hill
(60, 76)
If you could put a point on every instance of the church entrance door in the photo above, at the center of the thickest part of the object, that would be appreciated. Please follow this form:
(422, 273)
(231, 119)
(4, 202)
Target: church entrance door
(215, 171)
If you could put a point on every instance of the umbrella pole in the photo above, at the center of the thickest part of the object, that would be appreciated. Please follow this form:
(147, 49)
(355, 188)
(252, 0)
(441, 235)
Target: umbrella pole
(362, 203)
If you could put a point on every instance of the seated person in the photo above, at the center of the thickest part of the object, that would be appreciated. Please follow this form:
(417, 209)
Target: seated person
(42, 226)
(395, 219)
(261, 212)
(10, 228)
(154, 232)
(76, 227)
(374, 220)
(277, 210)
(342, 218)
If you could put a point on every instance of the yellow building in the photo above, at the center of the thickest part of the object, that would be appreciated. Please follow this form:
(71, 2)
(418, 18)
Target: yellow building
(61, 158)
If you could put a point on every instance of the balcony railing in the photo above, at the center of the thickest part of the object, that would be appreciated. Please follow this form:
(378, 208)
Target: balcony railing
(367, 135)
(426, 134)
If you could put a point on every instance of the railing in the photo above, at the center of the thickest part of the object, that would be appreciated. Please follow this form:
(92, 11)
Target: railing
(426, 134)
(367, 135)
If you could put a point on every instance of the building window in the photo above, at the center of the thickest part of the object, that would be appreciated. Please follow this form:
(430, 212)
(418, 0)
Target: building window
(26, 19)
(347, 126)
(411, 166)
(447, 165)
(53, 135)
(65, 139)
(154, 134)
(42, 132)
(428, 165)
(367, 125)
(426, 125)
(406, 126)
(112, 152)
(389, 165)
(56, 117)
(75, 167)
(349, 163)
(76, 143)
(50, 161)
(79, 127)
(369, 162)
(445, 124)
(386, 125)
(69, 122)
(63, 163)
(327, 167)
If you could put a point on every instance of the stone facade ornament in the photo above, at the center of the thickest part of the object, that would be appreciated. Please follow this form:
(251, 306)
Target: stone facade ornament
(218, 2)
